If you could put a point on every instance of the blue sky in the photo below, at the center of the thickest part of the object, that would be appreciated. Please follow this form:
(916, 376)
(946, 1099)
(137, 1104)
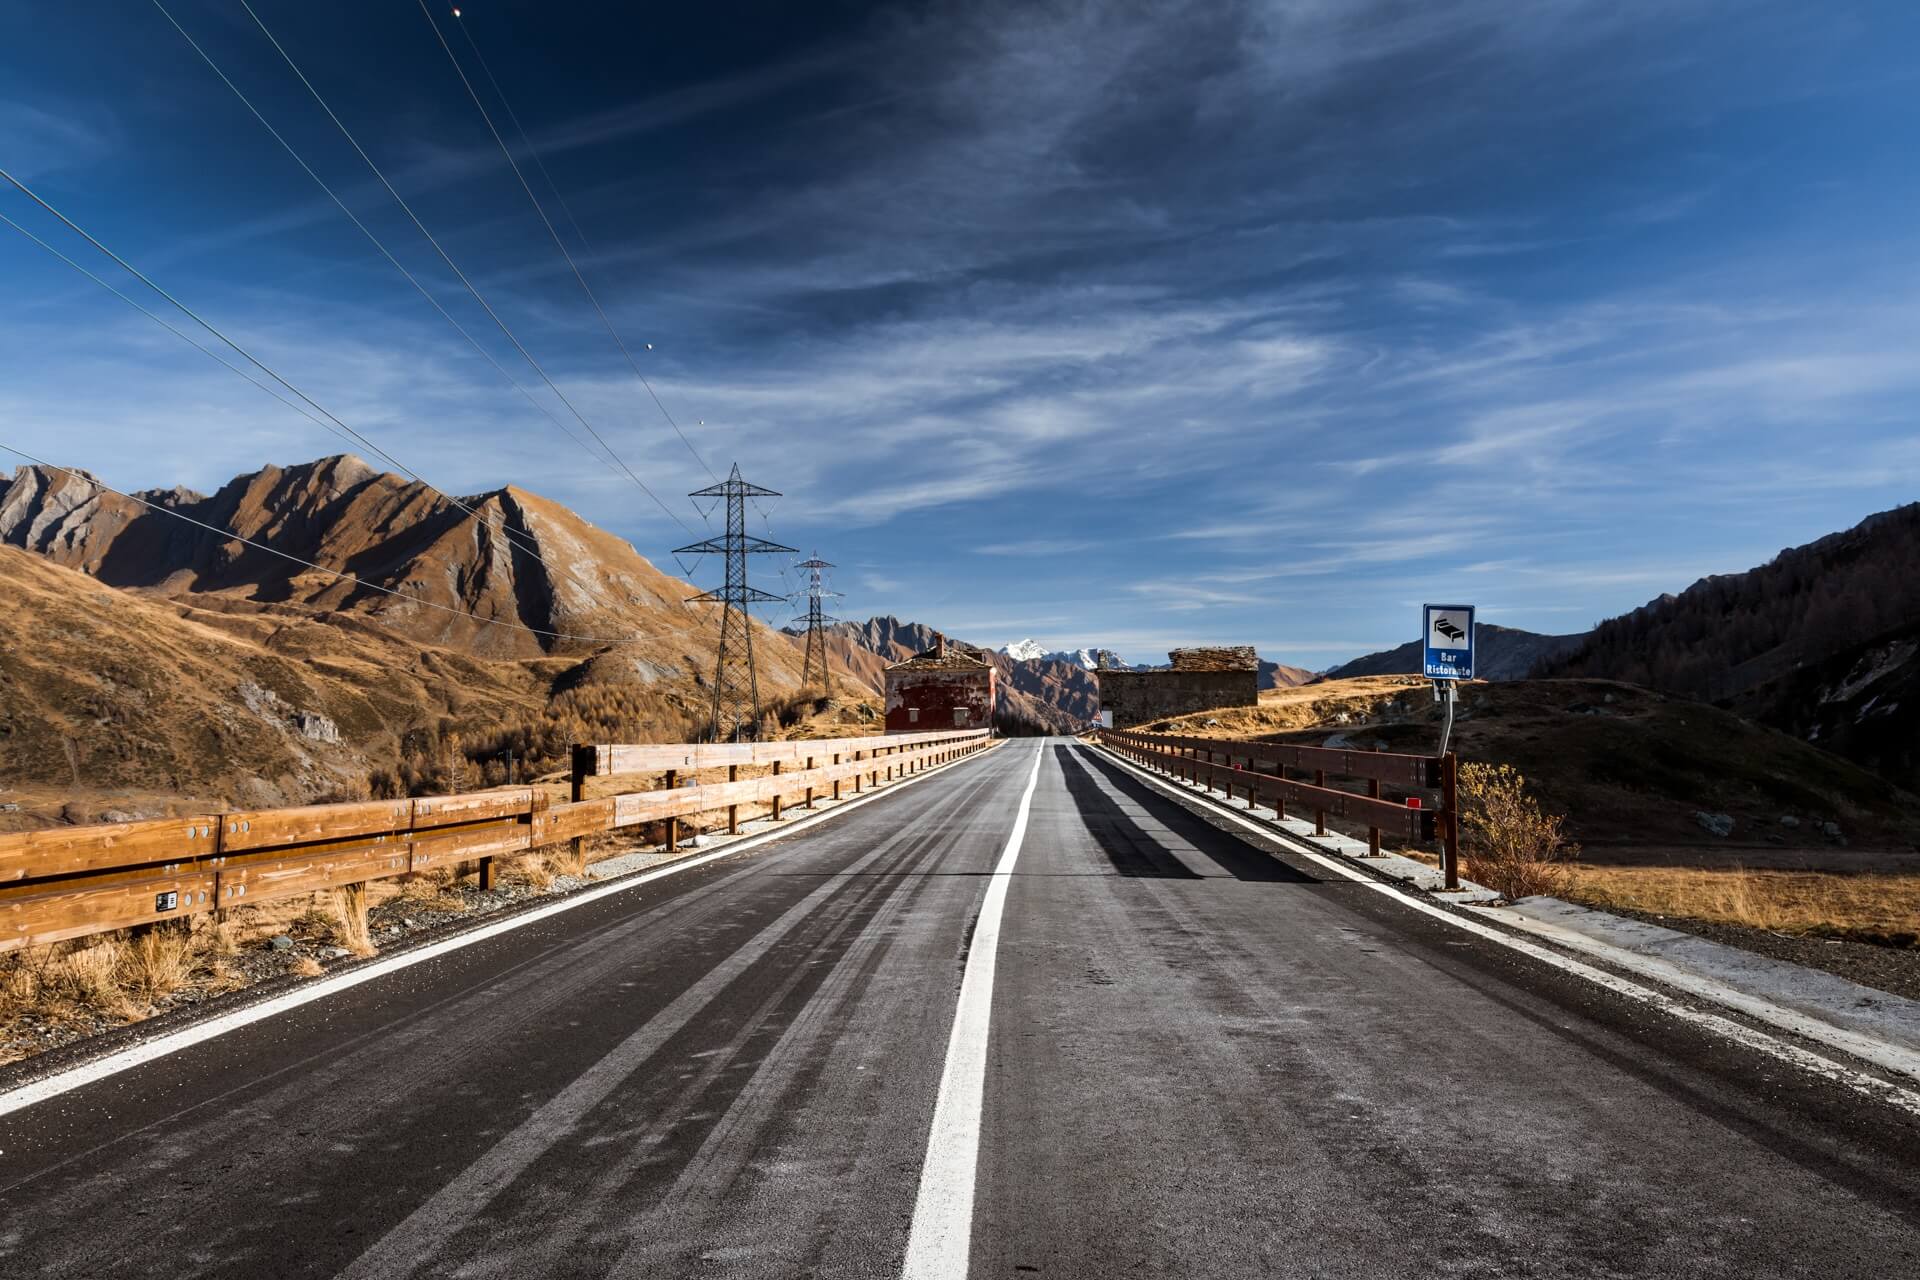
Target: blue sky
(1124, 324)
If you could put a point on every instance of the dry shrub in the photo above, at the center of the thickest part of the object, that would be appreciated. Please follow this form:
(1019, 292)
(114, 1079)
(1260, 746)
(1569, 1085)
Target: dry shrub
(350, 919)
(534, 871)
(306, 967)
(19, 984)
(159, 961)
(433, 891)
(1511, 845)
(88, 977)
(216, 938)
(318, 924)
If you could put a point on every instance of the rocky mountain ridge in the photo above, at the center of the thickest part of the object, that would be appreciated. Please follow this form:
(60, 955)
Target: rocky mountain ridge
(1505, 653)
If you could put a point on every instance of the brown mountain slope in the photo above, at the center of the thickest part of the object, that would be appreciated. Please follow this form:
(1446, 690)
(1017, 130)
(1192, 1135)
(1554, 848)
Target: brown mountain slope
(210, 671)
(109, 699)
(1278, 675)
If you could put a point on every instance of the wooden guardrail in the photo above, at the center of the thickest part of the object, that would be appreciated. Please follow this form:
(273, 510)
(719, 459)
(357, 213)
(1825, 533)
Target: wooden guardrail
(71, 881)
(1260, 771)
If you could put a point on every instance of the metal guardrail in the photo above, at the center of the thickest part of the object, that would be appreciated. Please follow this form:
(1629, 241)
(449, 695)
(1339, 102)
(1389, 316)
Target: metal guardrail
(1217, 762)
(72, 881)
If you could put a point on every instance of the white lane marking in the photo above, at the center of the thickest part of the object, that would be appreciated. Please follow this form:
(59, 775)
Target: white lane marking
(942, 1231)
(160, 1046)
(1871, 1086)
(421, 1235)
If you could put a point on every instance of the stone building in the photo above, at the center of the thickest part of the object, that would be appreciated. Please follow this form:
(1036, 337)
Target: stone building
(946, 687)
(1198, 680)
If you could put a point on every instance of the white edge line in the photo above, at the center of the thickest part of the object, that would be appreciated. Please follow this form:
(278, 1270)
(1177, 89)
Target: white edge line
(941, 1236)
(1860, 1045)
(85, 1073)
(1871, 1086)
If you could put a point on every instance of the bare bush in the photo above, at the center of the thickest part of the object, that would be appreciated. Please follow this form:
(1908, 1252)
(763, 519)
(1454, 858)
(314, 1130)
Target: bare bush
(160, 961)
(88, 978)
(1511, 845)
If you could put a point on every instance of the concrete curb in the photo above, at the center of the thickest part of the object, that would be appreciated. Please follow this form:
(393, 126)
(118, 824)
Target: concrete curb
(1873, 1026)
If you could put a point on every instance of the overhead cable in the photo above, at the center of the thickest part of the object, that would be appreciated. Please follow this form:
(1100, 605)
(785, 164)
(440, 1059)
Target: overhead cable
(548, 222)
(368, 233)
(452, 266)
(331, 423)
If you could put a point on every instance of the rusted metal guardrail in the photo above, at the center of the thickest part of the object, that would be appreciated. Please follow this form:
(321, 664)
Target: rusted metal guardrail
(1219, 762)
(71, 881)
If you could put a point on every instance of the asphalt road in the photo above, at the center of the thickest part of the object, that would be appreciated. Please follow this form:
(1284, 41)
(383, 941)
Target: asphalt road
(1205, 1060)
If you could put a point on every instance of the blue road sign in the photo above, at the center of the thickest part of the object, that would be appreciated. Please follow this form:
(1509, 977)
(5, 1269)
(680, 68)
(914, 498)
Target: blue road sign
(1447, 641)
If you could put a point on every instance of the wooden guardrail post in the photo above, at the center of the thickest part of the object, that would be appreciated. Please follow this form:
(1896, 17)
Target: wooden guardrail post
(836, 781)
(673, 823)
(1319, 815)
(1373, 833)
(582, 766)
(1450, 816)
(776, 794)
(733, 810)
(809, 789)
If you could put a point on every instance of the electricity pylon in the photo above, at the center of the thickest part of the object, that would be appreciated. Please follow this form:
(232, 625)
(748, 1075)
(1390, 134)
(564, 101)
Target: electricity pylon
(736, 688)
(816, 659)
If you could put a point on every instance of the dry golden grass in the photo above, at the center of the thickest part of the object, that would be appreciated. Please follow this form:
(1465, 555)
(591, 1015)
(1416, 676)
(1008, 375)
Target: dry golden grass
(318, 924)
(66, 979)
(534, 871)
(306, 967)
(1880, 907)
(159, 961)
(433, 891)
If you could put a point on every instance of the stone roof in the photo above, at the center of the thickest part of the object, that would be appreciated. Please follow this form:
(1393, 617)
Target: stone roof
(1231, 657)
(946, 655)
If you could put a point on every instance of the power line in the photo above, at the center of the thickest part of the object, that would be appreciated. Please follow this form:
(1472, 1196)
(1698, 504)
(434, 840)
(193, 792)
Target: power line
(548, 222)
(185, 337)
(364, 230)
(508, 534)
(446, 258)
(353, 579)
(518, 542)
(332, 423)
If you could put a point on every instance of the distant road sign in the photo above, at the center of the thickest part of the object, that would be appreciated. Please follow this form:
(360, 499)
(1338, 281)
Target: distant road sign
(1448, 641)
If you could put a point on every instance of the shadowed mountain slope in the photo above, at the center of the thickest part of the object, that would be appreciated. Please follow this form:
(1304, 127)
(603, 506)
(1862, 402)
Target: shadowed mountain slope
(1822, 641)
(1505, 653)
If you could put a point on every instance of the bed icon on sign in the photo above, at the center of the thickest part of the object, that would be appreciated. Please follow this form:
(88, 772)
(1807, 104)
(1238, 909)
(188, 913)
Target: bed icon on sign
(1447, 641)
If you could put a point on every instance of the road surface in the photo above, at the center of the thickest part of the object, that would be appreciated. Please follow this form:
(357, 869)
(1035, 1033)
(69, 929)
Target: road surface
(1204, 1059)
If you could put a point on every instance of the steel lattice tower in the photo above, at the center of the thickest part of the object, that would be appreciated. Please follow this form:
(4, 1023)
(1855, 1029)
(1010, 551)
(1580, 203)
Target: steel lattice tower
(736, 688)
(816, 638)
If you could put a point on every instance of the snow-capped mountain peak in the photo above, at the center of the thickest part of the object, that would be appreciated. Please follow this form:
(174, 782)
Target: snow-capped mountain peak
(1085, 659)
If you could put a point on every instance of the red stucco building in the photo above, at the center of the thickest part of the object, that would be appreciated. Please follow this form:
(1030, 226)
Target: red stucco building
(946, 687)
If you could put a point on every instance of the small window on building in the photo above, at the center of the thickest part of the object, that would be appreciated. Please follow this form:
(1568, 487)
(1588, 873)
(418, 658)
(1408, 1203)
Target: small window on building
(913, 715)
(959, 715)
